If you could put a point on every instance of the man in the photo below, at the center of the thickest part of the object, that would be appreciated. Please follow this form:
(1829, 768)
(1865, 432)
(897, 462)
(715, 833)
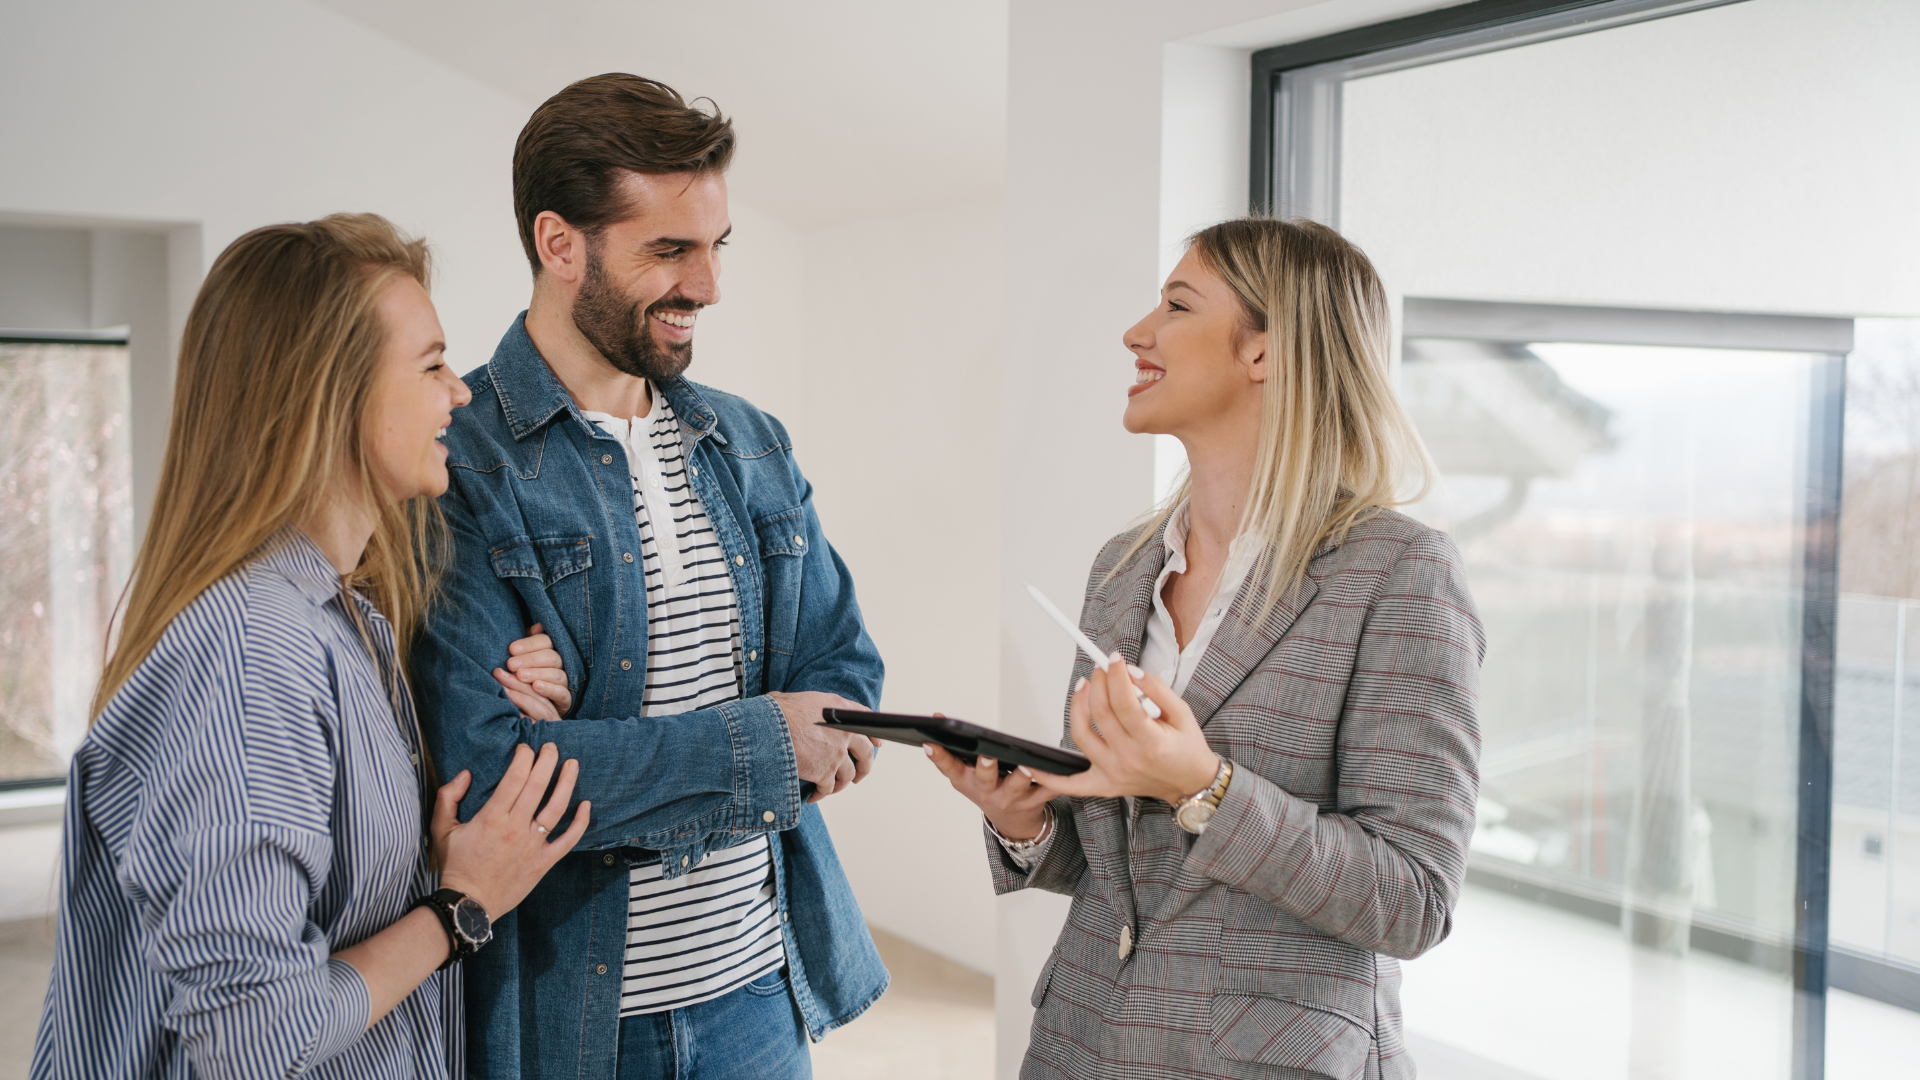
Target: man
(663, 536)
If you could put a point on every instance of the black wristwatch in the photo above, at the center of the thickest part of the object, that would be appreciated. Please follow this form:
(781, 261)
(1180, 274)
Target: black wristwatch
(467, 923)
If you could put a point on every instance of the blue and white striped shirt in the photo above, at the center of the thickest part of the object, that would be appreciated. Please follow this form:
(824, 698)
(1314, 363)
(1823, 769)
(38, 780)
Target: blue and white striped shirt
(246, 805)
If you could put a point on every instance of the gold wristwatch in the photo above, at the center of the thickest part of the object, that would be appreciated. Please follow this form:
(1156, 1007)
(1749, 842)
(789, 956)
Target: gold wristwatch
(1193, 812)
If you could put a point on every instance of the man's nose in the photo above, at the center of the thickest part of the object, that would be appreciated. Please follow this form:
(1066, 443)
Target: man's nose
(702, 283)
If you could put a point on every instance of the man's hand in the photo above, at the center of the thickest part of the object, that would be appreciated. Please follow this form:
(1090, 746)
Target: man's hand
(828, 759)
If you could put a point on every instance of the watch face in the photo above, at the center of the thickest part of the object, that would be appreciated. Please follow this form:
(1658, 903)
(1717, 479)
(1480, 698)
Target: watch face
(471, 920)
(1194, 816)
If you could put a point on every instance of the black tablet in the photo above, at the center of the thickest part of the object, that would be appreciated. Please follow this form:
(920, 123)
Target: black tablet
(966, 741)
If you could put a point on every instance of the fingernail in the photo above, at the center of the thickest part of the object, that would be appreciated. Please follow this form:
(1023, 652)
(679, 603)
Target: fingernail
(1116, 658)
(1026, 772)
(1136, 672)
(927, 748)
(988, 762)
(1077, 686)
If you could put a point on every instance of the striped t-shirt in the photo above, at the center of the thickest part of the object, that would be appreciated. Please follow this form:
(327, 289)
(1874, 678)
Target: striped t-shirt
(714, 928)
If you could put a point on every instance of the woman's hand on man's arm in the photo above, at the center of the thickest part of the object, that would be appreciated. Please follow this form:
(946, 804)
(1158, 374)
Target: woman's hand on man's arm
(535, 679)
(496, 857)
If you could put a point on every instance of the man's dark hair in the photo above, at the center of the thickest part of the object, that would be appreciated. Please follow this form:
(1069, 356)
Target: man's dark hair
(570, 155)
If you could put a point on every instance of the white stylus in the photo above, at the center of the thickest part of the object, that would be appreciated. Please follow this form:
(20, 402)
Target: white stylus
(1087, 646)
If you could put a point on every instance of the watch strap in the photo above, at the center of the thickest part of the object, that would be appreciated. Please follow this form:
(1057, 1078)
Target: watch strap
(1214, 792)
(441, 903)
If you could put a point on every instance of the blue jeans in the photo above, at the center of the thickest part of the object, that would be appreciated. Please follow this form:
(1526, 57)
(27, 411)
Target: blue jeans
(753, 1033)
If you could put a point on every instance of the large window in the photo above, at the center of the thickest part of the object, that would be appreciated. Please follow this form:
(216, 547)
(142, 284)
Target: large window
(66, 540)
(1685, 477)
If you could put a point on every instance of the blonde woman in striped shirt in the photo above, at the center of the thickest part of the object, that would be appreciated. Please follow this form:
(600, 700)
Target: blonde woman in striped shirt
(245, 891)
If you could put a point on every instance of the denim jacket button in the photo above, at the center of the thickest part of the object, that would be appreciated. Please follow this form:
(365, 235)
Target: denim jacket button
(799, 541)
(626, 665)
(627, 556)
(767, 817)
(683, 860)
(739, 560)
(606, 459)
(609, 859)
(694, 469)
(753, 654)
(601, 970)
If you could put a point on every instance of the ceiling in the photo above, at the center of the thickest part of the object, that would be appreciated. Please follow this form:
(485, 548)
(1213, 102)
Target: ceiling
(845, 108)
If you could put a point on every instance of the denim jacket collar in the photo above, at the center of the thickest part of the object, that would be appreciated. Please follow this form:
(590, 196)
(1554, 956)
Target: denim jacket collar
(531, 395)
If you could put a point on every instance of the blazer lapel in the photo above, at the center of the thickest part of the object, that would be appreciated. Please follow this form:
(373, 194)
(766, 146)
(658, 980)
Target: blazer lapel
(1241, 642)
(1116, 620)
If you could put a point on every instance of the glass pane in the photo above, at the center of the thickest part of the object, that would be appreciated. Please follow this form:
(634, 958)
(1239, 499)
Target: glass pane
(66, 542)
(1632, 523)
(1876, 812)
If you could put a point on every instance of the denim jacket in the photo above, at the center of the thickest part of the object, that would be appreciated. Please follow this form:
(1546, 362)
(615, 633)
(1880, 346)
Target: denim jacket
(541, 513)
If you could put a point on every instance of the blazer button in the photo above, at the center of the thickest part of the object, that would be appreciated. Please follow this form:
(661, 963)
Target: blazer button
(606, 459)
(601, 970)
(626, 665)
(1126, 942)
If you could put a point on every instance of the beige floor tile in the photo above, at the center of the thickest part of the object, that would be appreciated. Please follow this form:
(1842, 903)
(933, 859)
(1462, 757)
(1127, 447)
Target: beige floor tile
(935, 1022)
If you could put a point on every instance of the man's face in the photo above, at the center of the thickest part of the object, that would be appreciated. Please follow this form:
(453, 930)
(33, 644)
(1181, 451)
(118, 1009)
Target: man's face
(648, 277)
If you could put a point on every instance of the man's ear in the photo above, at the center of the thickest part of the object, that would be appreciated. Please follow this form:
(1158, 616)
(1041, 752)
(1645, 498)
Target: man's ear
(561, 247)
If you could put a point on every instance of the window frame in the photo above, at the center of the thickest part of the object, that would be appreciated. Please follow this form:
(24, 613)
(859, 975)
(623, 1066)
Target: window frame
(1294, 159)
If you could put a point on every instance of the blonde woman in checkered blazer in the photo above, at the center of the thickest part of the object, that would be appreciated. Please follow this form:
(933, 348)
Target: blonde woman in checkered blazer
(1246, 868)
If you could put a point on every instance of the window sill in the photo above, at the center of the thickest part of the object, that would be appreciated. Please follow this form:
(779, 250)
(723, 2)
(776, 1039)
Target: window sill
(32, 806)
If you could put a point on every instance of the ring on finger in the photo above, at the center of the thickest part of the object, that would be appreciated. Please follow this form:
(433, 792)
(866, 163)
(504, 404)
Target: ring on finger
(539, 828)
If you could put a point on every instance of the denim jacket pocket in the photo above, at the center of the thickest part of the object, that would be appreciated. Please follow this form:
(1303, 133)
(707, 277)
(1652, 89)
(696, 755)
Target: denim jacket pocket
(782, 536)
(554, 565)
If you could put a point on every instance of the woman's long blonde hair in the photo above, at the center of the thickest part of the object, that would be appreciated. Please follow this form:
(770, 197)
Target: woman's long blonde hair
(1335, 445)
(276, 368)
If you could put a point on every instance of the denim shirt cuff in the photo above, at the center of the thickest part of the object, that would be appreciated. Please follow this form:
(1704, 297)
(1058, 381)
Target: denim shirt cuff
(766, 780)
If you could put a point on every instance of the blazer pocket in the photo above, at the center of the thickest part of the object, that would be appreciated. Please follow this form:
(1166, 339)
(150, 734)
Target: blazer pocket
(1280, 1031)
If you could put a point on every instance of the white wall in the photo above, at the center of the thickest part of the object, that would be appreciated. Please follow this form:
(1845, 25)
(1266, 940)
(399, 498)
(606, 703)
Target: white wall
(901, 437)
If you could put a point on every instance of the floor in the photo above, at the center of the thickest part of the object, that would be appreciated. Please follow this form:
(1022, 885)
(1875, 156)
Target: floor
(936, 1022)
(1521, 991)
(1481, 1007)
(26, 957)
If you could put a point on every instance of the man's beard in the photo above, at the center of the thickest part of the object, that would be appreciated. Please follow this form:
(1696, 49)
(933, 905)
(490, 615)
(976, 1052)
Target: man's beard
(614, 324)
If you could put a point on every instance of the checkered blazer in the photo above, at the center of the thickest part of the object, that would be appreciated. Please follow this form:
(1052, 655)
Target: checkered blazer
(1264, 947)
